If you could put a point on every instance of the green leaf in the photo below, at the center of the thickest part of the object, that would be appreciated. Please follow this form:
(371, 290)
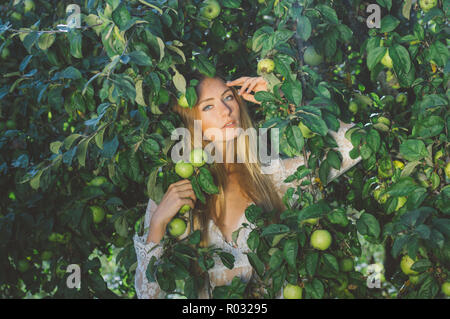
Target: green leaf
(429, 288)
(46, 40)
(293, 91)
(227, 259)
(34, 182)
(399, 243)
(274, 229)
(313, 211)
(400, 59)
(256, 263)
(304, 28)
(195, 237)
(428, 127)
(385, 3)
(179, 81)
(334, 159)
(314, 123)
(70, 73)
(367, 224)
(55, 146)
(311, 260)
(339, 217)
(413, 150)
(374, 57)
(276, 259)
(121, 16)
(140, 58)
(328, 13)
(75, 39)
(373, 140)
(197, 190)
(330, 261)
(315, 289)
(204, 66)
(294, 137)
(253, 240)
(290, 250)
(206, 181)
(389, 23)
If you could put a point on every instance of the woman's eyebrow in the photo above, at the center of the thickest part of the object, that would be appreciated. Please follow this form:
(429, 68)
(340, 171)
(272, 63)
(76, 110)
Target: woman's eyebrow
(212, 98)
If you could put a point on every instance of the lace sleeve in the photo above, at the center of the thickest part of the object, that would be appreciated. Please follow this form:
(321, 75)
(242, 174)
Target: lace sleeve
(144, 251)
(281, 169)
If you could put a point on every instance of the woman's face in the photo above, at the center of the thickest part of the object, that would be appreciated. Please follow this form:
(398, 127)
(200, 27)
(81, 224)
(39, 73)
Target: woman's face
(218, 109)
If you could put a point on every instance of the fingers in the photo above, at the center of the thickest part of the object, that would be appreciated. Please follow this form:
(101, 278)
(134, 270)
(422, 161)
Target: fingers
(252, 85)
(246, 85)
(238, 81)
(187, 194)
(250, 98)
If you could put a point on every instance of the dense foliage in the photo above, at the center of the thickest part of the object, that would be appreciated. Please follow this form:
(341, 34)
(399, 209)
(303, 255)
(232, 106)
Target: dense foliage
(85, 133)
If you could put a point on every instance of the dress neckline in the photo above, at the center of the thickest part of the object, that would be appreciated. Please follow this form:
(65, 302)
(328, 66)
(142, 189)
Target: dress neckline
(240, 222)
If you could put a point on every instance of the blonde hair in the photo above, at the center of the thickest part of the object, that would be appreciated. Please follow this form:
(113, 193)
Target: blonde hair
(256, 185)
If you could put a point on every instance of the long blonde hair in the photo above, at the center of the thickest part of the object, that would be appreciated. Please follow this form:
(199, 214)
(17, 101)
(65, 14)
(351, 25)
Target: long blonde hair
(256, 185)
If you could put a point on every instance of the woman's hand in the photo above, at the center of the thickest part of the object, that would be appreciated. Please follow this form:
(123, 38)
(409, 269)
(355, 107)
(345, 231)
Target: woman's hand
(249, 84)
(177, 195)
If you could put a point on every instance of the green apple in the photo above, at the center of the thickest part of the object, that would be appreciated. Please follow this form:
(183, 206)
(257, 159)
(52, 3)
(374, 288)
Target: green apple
(98, 181)
(23, 265)
(29, 5)
(11, 125)
(16, 16)
(406, 264)
(292, 292)
(5, 53)
(446, 288)
(384, 120)
(198, 157)
(427, 5)
(386, 60)
(346, 264)
(210, 9)
(353, 107)
(321, 239)
(182, 101)
(177, 227)
(414, 279)
(311, 57)
(266, 66)
(98, 214)
(311, 221)
(306, 132)
(231, 46)
(184, 209)
(184, 170)
(401, 99)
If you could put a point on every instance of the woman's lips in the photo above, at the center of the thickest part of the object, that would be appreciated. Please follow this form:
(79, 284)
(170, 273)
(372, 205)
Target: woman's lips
(231, 124)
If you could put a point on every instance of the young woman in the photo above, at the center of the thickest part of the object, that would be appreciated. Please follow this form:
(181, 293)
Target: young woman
(222, 107)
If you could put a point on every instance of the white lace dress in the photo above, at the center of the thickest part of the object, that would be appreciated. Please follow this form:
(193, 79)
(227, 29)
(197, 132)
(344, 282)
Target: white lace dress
(219, 274)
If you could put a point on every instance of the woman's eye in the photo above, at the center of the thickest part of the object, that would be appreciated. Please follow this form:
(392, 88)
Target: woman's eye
(206, 108)
(230, 97)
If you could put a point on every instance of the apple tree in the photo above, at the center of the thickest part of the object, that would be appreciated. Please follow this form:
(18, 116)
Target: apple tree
(86, 126)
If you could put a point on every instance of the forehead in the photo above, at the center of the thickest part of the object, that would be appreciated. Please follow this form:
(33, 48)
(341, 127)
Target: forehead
(211, 87)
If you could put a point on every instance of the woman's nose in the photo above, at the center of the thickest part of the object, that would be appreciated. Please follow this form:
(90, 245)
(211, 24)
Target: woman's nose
(226, 109)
